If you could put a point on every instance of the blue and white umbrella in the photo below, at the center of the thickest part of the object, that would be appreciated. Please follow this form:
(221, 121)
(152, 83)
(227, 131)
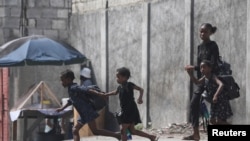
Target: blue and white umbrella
(38, 50)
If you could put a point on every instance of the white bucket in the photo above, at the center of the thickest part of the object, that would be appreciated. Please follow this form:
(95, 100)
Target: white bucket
(64, 102)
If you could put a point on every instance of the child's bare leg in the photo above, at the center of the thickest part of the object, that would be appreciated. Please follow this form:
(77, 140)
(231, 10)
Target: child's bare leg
(76, 129)
(47, 122)
(141, 133)
(96, 131)
(62, 125)
(124, 127)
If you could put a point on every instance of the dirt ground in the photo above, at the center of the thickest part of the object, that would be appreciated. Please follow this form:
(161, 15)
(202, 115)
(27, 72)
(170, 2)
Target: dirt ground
(175, 130)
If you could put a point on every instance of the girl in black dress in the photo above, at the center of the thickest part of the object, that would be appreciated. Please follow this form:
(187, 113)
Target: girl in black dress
(129, 112)
(220, 105)
(207, 50)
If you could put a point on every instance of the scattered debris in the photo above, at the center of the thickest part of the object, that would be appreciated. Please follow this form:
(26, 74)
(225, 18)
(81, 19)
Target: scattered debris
(177, 130)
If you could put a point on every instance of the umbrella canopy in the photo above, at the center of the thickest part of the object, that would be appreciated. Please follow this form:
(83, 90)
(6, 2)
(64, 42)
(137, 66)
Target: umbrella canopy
(38, 50)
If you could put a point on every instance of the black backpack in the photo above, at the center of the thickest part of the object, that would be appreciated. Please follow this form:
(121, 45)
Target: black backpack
(230, 86)
(225, 75)
(224, 67)
(97, 101)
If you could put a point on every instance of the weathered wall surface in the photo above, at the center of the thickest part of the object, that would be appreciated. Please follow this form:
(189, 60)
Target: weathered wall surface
(49, 18)
(145, 38)
(167, 78)
(156, 39)
(27, 17)
(246, 80)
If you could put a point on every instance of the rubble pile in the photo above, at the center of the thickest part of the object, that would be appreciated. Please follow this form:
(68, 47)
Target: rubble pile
(177, 130)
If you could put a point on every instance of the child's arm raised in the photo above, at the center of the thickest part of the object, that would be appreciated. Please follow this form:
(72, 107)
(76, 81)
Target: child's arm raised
(194, 79)
(219, 89)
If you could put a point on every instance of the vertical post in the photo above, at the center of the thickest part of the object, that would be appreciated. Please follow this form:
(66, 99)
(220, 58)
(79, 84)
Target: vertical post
(23, 20)
(248, 65)
(15, 96)
(14, 131)
(41, 94)
(1, 106)
(146, 60)
(189, 37)
(6, 105)
(25, 128)
(104, 49)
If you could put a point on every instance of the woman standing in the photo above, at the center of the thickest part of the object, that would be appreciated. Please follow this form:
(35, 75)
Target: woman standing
(207, 50)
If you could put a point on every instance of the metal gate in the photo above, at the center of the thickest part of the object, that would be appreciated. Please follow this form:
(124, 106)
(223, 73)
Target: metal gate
(4, 109)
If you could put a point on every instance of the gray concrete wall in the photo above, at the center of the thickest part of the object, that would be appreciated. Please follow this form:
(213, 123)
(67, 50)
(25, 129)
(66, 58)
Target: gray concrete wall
(27, 17)
(167, 77)
(247, 81)
(156, 39)
(140, 40)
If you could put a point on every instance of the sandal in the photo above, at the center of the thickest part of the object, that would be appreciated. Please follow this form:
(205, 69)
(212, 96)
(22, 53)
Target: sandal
(191, 137)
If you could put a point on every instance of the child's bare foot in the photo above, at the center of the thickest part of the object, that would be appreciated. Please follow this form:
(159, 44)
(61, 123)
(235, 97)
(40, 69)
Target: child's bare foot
(191, 137)
(155, 138)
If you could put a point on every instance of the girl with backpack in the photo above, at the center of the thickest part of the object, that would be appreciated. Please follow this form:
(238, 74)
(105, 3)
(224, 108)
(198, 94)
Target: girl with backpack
(78, 97)
(220, 109)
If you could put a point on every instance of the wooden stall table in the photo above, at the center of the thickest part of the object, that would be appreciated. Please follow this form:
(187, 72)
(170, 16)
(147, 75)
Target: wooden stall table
(38, 103)
(39, 115)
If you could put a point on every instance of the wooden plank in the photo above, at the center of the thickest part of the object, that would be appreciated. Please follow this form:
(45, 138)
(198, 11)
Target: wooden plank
(25, 125)
(14, 130)
(41, 94)
(52, 94)
(31, 93)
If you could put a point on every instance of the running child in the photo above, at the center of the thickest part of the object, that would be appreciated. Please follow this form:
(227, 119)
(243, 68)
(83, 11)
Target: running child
(129, 111)
(79, 99)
